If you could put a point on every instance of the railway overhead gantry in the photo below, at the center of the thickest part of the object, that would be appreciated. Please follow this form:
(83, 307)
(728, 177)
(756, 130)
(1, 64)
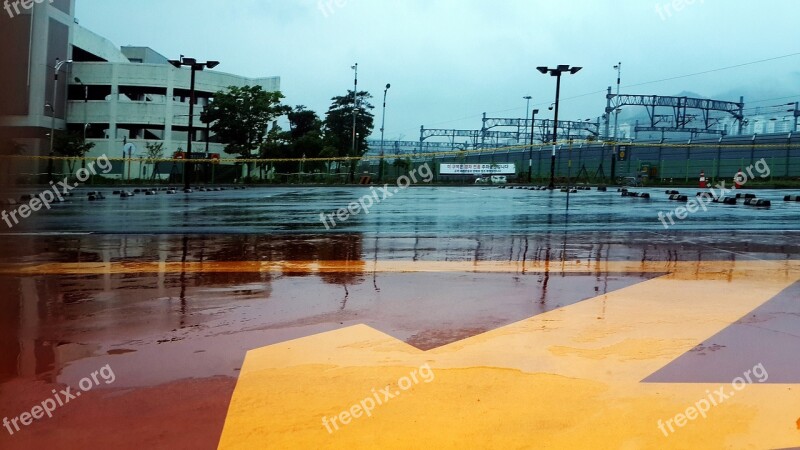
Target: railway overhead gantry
(475, 138)
(543, 128)
(688, 115)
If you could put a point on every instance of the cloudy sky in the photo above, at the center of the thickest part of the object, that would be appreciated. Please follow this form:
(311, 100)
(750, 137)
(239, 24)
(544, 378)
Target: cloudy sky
(451, 60)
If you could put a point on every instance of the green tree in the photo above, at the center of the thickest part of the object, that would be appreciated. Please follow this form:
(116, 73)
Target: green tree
(155, 151)
(339, 125)
(240, 117)
(276, 145)
(304, 122)
(402, 164)
(306, 137)
(72, 145)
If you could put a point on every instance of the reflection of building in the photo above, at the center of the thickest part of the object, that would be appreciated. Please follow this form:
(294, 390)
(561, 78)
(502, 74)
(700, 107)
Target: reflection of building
(116, 96)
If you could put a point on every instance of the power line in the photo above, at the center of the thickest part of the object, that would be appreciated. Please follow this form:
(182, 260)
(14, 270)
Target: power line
(677, 77)
(736, 66)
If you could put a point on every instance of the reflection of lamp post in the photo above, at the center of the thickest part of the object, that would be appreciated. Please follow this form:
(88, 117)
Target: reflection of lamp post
(556, 72)
(383, 126)
(194, 66)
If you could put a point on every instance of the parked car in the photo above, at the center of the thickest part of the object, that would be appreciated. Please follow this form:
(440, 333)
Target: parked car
(494, 179)
(631, 181)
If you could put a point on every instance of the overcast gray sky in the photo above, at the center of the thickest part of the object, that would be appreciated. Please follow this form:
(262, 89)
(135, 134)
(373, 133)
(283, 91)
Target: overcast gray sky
(450, 60)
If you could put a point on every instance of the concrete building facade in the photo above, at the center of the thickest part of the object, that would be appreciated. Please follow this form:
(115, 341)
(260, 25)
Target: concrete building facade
(125, 97)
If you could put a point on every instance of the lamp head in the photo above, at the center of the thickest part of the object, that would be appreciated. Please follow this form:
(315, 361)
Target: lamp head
(542, 69)
(177, 64)
(575, 70)
(212, 64)
(388, 86)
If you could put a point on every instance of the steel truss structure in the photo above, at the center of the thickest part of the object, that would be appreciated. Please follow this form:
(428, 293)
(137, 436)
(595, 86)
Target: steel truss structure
(543, 128)
(688, 115)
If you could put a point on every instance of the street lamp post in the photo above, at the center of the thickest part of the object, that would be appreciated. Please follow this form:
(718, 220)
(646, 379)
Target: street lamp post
(383, 128)
(556, 72)
(795, 115)
(527, 108)
(194, 66)
(85, 102)
(85, 114)
(59, 65)
(204, 119)
(355, 109)
(530, 149)
(524, 127)
(618, 67)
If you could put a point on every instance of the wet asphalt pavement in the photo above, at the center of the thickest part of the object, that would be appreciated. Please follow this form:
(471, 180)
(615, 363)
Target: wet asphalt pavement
(415, 210)
(173, 290)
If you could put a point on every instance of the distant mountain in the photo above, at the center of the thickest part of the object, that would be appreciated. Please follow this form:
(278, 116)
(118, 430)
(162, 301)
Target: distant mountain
(761, 94)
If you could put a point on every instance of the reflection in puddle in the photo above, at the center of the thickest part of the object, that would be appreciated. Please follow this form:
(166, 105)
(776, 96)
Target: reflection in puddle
(154, 323)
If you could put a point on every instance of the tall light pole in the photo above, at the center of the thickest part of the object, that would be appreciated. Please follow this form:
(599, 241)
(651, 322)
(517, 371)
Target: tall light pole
(85, 101)
(618, 67)
(355, 109)
(530, 149)
(527, 98)
(85, 114)
(556, 72)
(194, 67)
(59, 65)
(795, 115)
(383, 129)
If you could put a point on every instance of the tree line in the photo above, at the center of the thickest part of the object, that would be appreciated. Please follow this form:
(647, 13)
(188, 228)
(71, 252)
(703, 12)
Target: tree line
(245, 120)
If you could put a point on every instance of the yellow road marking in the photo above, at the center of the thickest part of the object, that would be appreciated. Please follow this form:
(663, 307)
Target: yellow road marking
(569, 378)
(683, 268)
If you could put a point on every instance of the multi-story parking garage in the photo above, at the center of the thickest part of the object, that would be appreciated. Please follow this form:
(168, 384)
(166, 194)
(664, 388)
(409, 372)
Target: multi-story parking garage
(117, 96)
